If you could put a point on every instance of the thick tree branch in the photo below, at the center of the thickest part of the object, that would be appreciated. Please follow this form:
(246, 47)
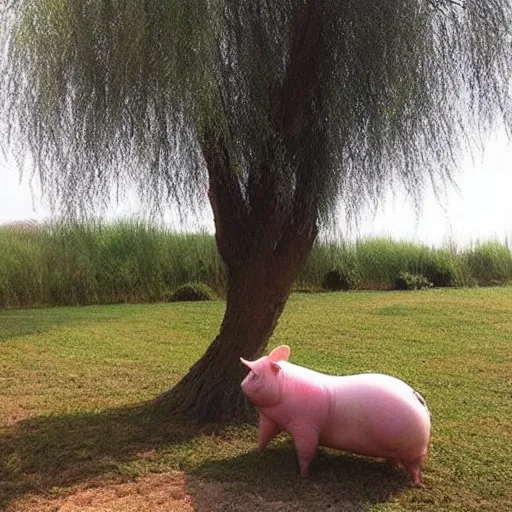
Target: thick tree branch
(302, 69)
(266, 219)
(228, 205)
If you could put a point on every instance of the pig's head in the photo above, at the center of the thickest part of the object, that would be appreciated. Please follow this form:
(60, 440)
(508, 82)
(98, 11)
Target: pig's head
(262, 385)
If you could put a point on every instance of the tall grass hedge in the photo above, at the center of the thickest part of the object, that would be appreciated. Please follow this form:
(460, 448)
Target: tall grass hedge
(489, 263)
(376, 263)
(130, 261)
(95, 263)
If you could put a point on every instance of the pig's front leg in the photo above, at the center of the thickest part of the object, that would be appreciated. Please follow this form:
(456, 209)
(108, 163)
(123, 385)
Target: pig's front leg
(268, 430)
(306, 444)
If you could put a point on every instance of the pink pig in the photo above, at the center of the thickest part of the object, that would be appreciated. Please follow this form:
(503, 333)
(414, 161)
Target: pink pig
(369, 414)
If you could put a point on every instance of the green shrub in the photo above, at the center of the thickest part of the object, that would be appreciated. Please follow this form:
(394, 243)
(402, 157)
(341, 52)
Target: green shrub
(406, 281)
(441, 278)
(193, 292)
(336, 280)
(442, 268)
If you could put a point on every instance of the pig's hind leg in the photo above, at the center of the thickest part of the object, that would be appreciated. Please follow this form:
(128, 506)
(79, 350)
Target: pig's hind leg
(267, 431)
(414, 469)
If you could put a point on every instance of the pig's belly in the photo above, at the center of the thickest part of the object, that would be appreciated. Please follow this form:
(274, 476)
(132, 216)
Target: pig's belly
(371, 447)
(377, 427)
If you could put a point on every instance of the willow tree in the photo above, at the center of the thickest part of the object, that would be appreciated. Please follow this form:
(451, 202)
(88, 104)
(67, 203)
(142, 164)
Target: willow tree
(277, 111)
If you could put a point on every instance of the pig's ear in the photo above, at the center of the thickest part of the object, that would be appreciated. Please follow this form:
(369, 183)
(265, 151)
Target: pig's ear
(246, 363)
(281, 353)
(274, 367)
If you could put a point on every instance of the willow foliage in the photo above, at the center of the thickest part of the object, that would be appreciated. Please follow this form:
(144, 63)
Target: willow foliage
(127, 91)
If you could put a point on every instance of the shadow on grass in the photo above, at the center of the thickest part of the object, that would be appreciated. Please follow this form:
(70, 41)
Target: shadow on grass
(40, 454)
(270, 480)
(19, 322)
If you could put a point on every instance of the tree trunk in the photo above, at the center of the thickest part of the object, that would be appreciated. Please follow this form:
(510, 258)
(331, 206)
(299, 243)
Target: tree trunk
(257, 293)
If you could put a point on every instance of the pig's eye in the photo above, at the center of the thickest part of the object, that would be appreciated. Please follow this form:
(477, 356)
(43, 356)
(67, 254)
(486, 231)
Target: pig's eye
(254, 376)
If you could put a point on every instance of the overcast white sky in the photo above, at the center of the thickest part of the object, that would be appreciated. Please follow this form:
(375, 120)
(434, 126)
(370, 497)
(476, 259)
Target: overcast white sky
(480, 210)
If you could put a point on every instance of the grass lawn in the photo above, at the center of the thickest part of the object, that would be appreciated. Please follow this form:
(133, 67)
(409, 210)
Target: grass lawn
(72, 379)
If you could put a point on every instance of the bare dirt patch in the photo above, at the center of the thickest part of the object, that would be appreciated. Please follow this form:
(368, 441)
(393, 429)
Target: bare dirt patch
(156, 493)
